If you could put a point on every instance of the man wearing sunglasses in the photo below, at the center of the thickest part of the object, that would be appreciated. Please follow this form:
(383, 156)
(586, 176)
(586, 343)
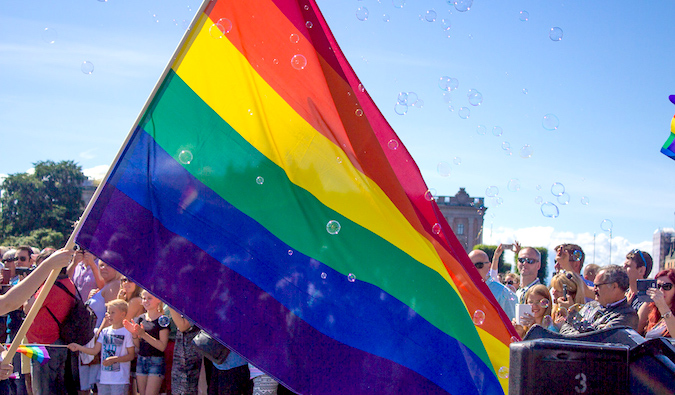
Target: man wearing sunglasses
(504, 296)
(610, 307)
(529, 263)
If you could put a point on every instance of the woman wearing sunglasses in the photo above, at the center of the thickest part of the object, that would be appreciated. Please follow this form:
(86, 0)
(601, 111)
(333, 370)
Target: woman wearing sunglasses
(661, 321)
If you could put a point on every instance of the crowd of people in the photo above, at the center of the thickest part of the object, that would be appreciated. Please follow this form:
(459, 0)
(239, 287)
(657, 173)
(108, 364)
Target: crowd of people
(581, 299)
(139, 346)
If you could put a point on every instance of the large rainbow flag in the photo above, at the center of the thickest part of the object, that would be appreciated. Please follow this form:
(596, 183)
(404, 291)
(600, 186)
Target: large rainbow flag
(263, 195)
(668, 148)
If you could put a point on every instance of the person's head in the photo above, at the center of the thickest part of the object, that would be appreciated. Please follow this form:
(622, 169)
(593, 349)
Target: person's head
(540, 299)
(481, 261)
(150, 302)
(9, 258)
(665, 281)
(131, 289)
(108, 273)
(512, 280)
(570, 281)
(638, 265)
(529, 263)
(24, 256)
(116, 310)
(590, 271)
(44, 254)
(569, 257)
(610, 284)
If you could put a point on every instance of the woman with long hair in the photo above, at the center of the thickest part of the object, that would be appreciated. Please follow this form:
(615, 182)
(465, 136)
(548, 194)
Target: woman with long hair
(540, 299)
(661, 322)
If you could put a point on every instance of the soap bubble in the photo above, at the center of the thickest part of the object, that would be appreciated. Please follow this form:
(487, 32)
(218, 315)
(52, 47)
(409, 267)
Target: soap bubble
(49, 35)
(497, 200)
(358, 112)
(503, 372)
(402, 97)
(398, 3)
(497, 131)
(385, 17)
(323, 275)
(584, 200)
(430, 195)
(333, 227)
(163, 321)
(457, 161)
(443, 169)
(362, 13)
(549, 210)
(524, 91)
(463, 5)
(564, 199)
(556, 34)
(444, 84)
(526, 151)
(514, 339)
(362, 88)
(411, 99)
(492, 191)
(557, 189)
(544, 304)
(259, 180)
(290, 252)
(436, 228)
(538, 200)
(478, 317)
(547, 320)
(400, 109)
(475, 98)
(294, 38)
(606, 225)
(220, 28)
(87, 67)
(506, 146)
(185, 157)
(445, 23)
(481, 129)
(309, 24)
(514, 185)
(524, 16)
(392, 144)
(298, 62)
(351, 277)
(464, 112)
(430, 16)
(538, 187)
(550, 122)
(451, 108)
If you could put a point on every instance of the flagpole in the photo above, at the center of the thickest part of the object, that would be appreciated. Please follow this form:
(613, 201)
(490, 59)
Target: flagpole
(78, 225)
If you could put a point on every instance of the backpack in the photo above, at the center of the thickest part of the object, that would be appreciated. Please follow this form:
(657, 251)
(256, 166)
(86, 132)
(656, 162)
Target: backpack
(78, 326)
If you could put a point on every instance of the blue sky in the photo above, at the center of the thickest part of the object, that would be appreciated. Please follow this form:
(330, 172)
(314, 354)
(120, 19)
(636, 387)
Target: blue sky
(607, 81)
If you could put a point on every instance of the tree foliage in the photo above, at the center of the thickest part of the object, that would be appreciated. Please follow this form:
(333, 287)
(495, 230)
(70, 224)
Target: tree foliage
(543, 270)
(46, 202)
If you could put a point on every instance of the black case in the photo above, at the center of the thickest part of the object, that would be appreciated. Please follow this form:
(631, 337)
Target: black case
(562, 366)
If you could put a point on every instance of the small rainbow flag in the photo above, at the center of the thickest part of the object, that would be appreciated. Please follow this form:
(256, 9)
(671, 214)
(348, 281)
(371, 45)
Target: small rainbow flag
(669, 147)
(38, 353)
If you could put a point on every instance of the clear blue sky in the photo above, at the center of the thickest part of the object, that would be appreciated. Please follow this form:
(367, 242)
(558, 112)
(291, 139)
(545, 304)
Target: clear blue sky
(607, 81)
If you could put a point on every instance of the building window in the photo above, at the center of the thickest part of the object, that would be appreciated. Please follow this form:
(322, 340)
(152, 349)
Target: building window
(460, 229)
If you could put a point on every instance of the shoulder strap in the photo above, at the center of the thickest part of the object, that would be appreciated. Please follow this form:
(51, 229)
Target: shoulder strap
(63, 287)
(53, 316)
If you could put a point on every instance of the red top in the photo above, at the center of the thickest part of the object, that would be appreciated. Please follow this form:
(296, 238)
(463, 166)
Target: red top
(44, 329)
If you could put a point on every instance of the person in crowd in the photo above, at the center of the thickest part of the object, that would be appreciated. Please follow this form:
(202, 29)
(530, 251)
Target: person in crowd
(539, 298)
(150, 337)
(116, 346)
(512, 281)
(263, 384)
(590, 271)
(638, 265)
(131, 293)
(187, 361)
(610, 307)
(565, 288)
(570, 257)
(84, 272)
(232, 377)
(111, 277)
(505, 298)
(529, 263)
(661, 322)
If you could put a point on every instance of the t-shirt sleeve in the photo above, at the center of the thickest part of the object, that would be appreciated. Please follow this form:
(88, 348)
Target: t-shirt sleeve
(100, 336)
(128, 340)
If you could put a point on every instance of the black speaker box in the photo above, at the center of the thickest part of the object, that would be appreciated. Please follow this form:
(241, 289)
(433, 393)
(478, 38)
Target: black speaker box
(562, 366)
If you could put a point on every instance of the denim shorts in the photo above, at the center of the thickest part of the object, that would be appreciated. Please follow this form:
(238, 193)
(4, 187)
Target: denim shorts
(150, 366)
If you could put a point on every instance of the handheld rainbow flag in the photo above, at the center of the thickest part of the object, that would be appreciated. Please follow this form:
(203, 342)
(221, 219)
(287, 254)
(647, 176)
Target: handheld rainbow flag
(38, 353)
(669, 147)
(263, 194)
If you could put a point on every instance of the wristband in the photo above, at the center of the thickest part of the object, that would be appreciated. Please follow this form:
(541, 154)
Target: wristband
(668, 314)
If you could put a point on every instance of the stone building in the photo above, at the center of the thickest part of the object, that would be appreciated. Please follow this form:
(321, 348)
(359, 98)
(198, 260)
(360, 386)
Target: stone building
(465, 215)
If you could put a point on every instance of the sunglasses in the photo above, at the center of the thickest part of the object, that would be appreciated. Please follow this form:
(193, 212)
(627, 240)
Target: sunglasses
(510, 282)
(479, 265)
(21, 258)
(527, 260)
(665, 286)
(638, 252)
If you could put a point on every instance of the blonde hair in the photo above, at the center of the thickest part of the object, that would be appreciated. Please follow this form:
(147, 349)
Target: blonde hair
(160, 306)
(119, 304)
(575, 285)
(540, 290)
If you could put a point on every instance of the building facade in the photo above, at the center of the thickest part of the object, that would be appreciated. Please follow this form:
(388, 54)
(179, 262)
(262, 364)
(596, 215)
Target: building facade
(465, 215)
(663, 252)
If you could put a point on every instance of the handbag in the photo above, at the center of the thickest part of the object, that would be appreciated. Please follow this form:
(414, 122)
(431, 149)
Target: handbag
(210, 347)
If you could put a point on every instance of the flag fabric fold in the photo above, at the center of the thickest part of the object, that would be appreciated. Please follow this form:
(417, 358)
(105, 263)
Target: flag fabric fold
(668, 148)
(264, 195)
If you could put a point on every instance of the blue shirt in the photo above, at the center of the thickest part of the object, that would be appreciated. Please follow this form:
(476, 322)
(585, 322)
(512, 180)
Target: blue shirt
(504, 296)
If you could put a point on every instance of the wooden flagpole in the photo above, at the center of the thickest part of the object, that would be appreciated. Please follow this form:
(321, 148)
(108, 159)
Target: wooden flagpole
(78, 225)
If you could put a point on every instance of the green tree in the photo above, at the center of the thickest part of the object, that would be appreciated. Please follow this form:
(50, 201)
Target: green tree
(39, 238)
(490, 251)
(50, 199)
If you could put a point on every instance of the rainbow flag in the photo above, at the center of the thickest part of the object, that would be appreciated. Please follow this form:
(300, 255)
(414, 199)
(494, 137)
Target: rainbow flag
(38, 353)
(264, 195)
(668, 148)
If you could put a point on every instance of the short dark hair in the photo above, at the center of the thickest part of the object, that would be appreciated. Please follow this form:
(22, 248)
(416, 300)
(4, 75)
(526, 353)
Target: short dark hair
(575, 251)
(641, 258)
(616, 274)
(24, 248)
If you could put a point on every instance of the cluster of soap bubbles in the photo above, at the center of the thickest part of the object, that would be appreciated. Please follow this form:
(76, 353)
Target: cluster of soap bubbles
(406, 100)
(550, 209)
(493, 193)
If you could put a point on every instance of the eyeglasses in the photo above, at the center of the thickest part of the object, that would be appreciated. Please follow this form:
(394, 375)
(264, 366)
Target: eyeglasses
(528, 260)
(510, 282)
(14, 259)
(22, 258)
(598, 285)
(124, 280)
(636, 252)
(479, 265)
(665, 286)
